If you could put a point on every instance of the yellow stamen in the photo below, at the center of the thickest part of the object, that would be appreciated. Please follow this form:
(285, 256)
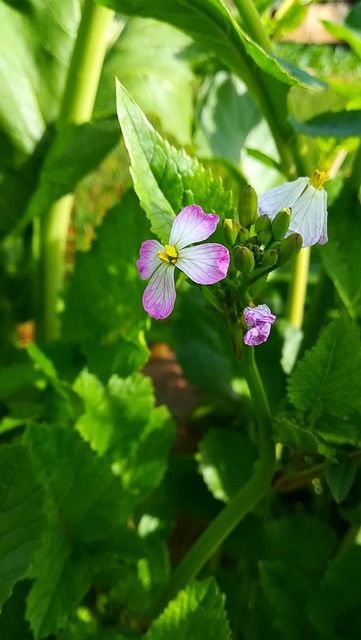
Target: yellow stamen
(170, 254)
(318, 179)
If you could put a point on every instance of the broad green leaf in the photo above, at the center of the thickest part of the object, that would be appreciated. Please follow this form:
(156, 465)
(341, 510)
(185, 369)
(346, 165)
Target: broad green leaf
(339, 124)
(346, 33)
(328, 378)
(211, 25)
(135, 436)
(86, 493)
(62, 577)
(287, 591)
(22, 519)
(226, 460)
(198, 608)
(344, 242)
(285, 540)
(103, 300)
(121, 357)
(165, 179)
(339, 477)
(338, 595)
(76, 150)
(290, 434)
(157, 74)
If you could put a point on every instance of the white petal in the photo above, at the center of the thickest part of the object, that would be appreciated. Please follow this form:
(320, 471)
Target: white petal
(192, 225)
(159, 295)
(205, 263)
(271, 202)
(309, 216)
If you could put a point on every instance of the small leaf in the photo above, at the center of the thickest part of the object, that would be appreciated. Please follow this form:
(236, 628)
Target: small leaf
(339, 124)
(22, 520)
(328, 378)
(301, 440)
(198, 608)
(165, 179)
(339, 477)
(226, 462)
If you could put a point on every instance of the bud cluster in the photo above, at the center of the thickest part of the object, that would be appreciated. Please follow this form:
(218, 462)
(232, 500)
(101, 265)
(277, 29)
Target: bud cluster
(259, 244)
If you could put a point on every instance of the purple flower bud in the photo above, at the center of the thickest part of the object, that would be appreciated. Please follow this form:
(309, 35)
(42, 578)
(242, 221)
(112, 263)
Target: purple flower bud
(257, 321)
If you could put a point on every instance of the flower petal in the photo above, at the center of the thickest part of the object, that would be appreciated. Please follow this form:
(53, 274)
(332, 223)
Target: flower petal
(256, 316)
(271, 202)
(192, 225)
(257, 335)
(309, 216)
(159, 295)
(205, 263)
(148, 260)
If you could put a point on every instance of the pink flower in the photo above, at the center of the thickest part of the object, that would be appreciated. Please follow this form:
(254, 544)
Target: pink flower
(258, 321)
(204, 263)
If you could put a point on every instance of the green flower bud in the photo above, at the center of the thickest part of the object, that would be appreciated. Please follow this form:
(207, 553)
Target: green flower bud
(231, 229)
(244, 260)
(243, 235)
(281, 223)
(290, 247)
(263, 237)
(247, 206)
(276, 245)
(269, 258)
(263, 223)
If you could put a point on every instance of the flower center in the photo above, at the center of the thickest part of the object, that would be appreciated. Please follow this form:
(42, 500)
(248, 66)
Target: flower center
(318, 179)
(170, 255)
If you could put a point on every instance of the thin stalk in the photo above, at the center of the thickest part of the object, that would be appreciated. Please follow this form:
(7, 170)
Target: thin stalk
(298, 288)
(251, 493)
(253, 24)
(77, 106)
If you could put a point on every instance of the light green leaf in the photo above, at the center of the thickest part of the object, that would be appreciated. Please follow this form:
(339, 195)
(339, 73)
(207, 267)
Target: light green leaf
(287, 591)
(75, 152)
(338, 124)
(328, 378)
(198, 608)
(339, 477)
(345, 33)
(165, 179)
(339, 595)
(226, 460)
(211, 25)
(22, 520)
(86, 493)
(135, 436)
(157, 74)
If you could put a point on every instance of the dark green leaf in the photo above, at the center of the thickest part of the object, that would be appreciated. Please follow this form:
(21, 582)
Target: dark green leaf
(287, 591)
(22, 520)
(328, 378)
(165, 179)
(339, 593)
(339, 124)
(77, 150)
(290, 434)
(339, 477)
(226, 462)
(200, 606)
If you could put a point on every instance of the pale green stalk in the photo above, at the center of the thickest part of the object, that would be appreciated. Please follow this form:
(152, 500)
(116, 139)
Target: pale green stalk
(77, 107)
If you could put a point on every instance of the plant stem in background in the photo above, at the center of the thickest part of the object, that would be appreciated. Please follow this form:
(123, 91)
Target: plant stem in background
(253, 24)
(256, 488)
(77, 107)
(298, 288)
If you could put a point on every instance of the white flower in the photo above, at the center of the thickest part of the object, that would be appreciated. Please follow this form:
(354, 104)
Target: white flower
(307, 199)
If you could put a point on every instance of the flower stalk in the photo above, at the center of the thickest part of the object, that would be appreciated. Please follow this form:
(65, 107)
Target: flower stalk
(77, 107)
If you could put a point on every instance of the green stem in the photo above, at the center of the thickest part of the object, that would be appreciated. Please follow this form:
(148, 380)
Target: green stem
(77, 106)
(253, 23)
(298, 288)
(256, 488)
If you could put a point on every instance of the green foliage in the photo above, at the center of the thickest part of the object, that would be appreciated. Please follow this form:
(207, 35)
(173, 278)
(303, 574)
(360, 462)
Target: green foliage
(22, 519)
(200, 606)
(165, 179)
(329, 376)
(339, 477)
(340, 124)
